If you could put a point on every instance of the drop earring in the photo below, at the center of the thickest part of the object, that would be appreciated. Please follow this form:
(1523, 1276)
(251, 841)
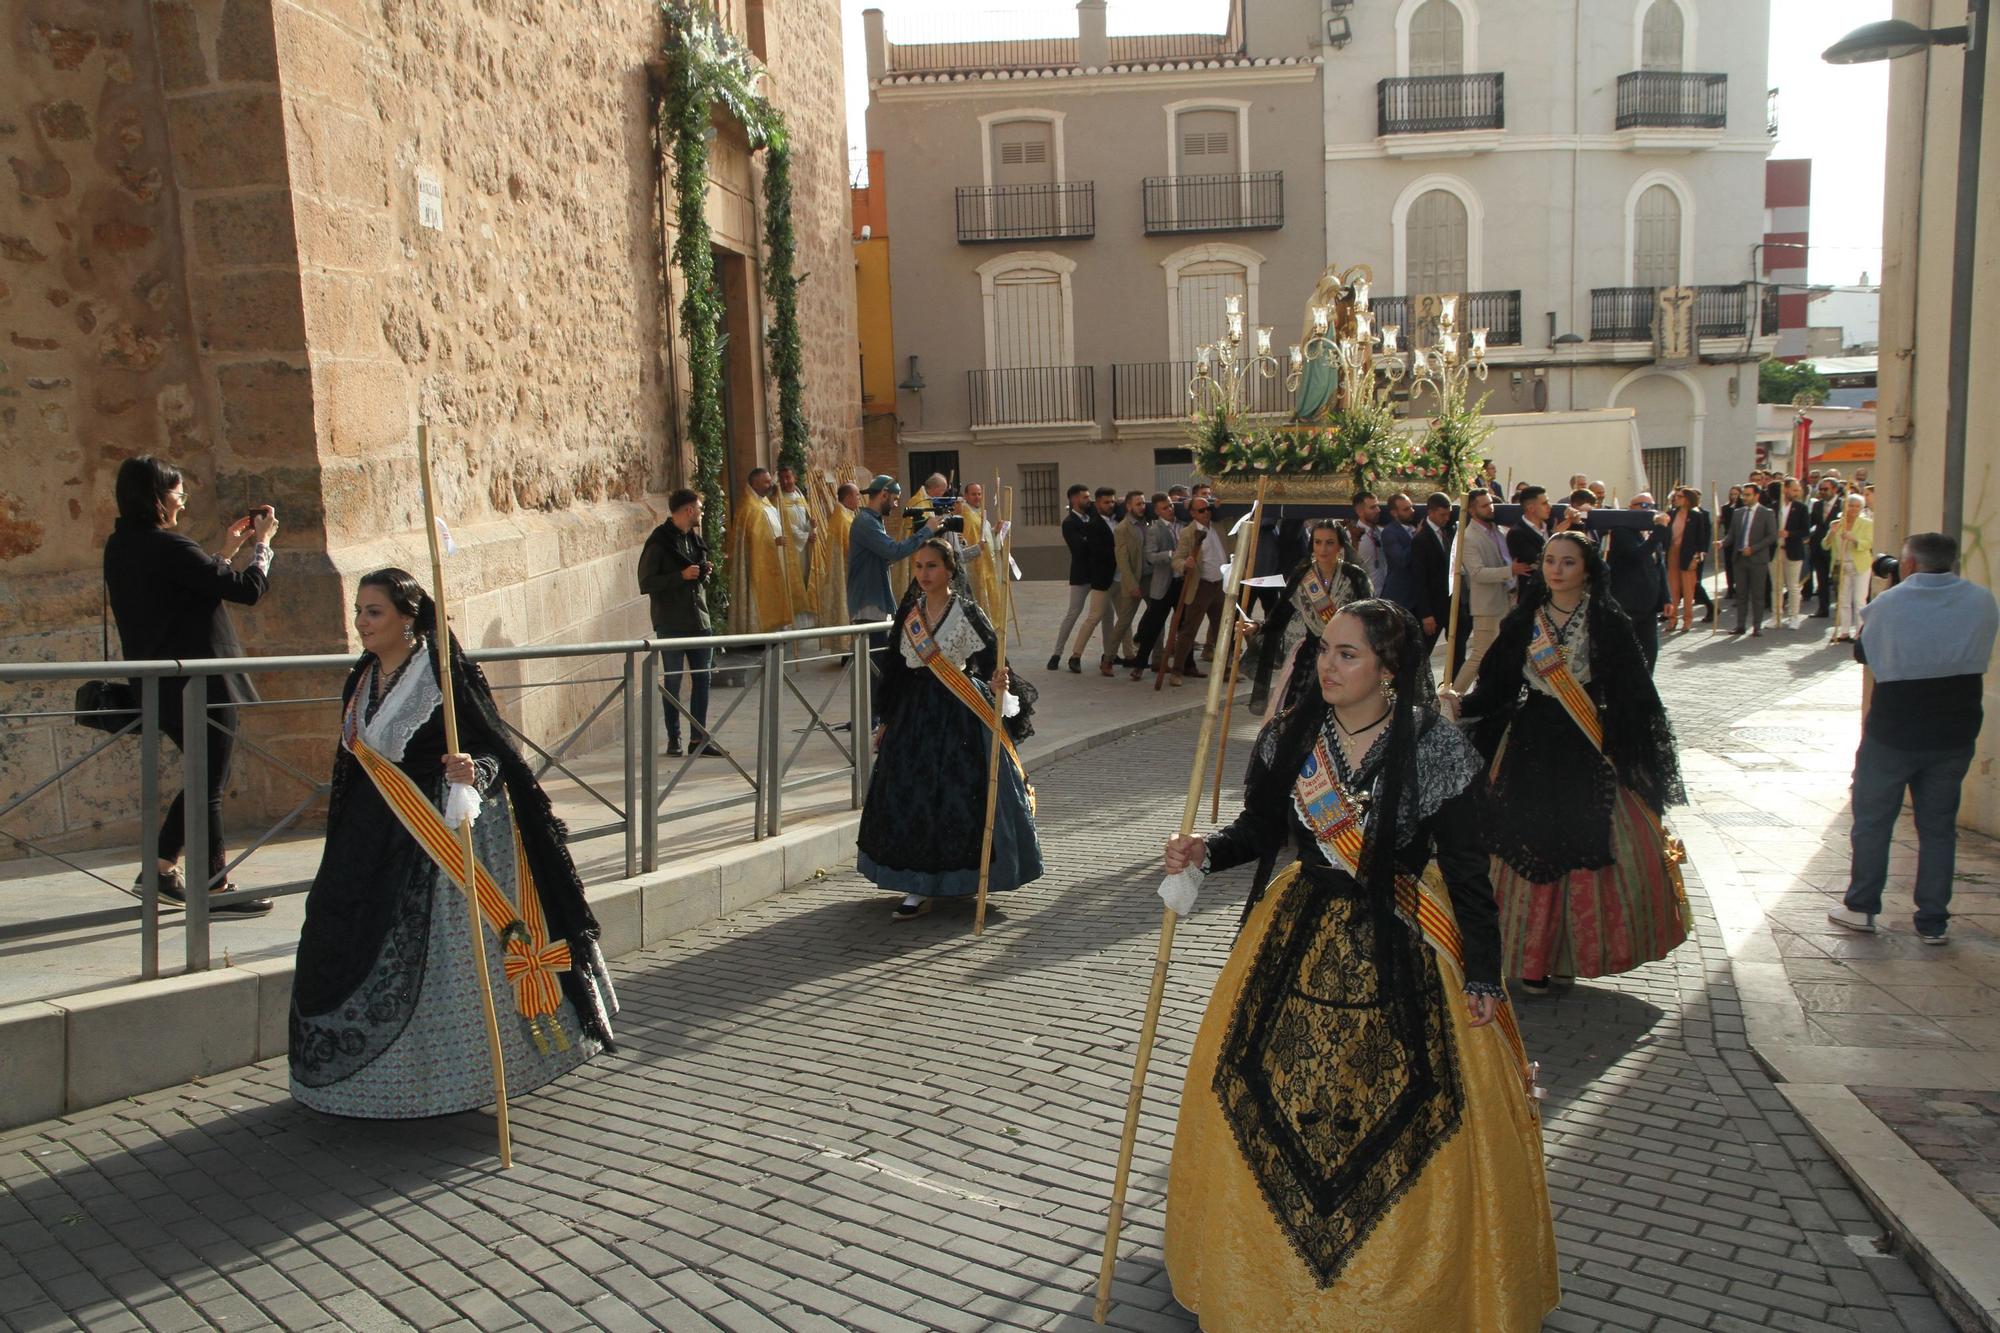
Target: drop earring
(1388, 692)
(410, 633)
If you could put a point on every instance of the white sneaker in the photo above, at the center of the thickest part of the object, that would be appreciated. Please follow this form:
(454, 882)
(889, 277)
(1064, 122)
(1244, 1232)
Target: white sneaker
(1940, 938)
(1852, 920)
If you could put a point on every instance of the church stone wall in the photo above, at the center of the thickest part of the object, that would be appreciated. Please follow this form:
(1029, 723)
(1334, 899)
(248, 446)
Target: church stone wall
(215, 253)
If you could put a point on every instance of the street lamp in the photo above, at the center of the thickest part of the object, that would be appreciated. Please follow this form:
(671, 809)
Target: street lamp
(1889, 40)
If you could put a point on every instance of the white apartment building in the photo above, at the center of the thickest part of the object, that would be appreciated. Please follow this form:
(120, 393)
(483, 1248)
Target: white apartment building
(1558, 163)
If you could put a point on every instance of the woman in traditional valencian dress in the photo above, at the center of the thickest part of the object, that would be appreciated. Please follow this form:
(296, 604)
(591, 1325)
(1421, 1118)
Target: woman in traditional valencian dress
(1582, 769)
(1358, 1144)
(387, 1021)
(924, 820)
(1324, 582)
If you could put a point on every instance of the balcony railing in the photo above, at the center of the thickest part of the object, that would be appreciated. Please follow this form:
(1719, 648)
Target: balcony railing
(1158, 391)
(1033, 395)
(1434, 103)
(1625, 314)
(1242, 201)
(1662, 99)
(1499, 313)
(1064, 210)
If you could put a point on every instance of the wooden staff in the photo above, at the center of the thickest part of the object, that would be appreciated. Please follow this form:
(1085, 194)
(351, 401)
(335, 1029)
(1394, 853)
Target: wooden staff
(995, 551)
(1235, 668)
(1151, 1023)
(464, 872)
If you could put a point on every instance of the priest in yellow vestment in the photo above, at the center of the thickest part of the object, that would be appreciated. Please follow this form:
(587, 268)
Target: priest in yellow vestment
(760, 599)
(795, 550)
(978, 551)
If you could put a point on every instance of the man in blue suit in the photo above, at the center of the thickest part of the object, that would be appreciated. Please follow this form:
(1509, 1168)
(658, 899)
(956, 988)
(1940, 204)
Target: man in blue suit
(1399, 579)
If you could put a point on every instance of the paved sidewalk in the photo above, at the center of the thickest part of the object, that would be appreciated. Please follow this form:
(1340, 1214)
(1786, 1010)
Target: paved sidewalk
(821, 1120)
(1890, 1049)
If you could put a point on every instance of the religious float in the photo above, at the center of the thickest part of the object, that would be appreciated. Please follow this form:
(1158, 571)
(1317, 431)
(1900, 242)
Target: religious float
(1346, 376)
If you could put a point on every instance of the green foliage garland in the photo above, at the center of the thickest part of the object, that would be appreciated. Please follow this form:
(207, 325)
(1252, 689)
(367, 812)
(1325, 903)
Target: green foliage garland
(706, 66)
(782, 284)
(1450, 450)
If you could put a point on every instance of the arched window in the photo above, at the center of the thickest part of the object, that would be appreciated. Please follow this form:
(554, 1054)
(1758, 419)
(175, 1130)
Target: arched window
(1203, 291)
(1661, 36)
(1437, 242)
(1656, 238)
(1437, 39)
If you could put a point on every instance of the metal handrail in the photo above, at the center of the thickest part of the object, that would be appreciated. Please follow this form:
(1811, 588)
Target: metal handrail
(638, 819)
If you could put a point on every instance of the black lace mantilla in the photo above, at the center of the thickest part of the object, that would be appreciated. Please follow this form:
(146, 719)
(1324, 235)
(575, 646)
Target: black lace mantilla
(1339, 1088)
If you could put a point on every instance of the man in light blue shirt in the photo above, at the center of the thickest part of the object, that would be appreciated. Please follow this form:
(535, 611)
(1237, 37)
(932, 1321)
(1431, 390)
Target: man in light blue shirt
(1928, 640)
(870, 552)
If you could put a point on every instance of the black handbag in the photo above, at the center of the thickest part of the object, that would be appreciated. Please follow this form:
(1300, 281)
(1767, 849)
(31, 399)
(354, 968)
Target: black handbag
(106, 705)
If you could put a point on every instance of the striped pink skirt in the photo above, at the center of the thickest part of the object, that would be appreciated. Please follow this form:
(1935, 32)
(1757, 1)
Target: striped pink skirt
(1594, 923)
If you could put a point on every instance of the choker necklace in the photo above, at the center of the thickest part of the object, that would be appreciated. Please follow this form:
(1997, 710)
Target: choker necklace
(1358, 730)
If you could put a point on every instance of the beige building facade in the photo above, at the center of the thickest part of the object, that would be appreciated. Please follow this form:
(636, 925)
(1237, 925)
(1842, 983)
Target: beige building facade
(1070, 214)
(1918, 278)
(267, 238)
(1558, 163)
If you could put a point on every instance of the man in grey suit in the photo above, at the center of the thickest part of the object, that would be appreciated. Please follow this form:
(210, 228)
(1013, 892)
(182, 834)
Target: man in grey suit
(1162, 588)
(1753, 535)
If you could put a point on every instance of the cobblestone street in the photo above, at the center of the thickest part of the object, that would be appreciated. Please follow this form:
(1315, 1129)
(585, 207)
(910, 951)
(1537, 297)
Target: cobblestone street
(820, 1120)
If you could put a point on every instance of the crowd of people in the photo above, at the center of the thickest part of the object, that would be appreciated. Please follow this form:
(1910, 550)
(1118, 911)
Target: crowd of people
(1357, 1130)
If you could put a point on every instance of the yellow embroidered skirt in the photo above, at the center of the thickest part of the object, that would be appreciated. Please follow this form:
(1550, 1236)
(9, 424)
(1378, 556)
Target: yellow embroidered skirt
(1351, 1154)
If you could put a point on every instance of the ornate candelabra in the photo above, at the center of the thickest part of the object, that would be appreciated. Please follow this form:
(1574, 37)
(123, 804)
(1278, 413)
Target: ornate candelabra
(1221, 368)
(1449, 363)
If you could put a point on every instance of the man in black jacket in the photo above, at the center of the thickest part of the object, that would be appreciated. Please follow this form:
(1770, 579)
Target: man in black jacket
(674, 570)
(1076, 536)
(1794, 529)
(1430, 560)
(1093, 557)
(1638, 574)
(1826, 511)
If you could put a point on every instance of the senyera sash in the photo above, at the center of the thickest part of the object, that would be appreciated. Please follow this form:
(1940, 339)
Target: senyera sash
(1339, 825)
(530, 961)
(1547, 660)
(958, 683)
(1318, 596)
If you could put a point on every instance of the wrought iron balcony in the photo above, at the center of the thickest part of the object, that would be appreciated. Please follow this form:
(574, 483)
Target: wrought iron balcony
(1065, 210)
(1499, 313)
(1239, 201)
(1434, 103)
(1660, 99)
(1158, 391)
(1032, 395)
(1625, 314)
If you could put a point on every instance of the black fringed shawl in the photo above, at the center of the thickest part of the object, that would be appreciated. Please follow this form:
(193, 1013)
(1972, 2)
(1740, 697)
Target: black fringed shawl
(351, 912)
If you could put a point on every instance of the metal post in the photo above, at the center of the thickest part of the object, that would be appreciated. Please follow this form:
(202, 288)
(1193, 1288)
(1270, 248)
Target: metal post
(194, 816)
(764, 760)
(634, 699)
(1965, 229)
(774, 731)
(864, 715)
(149, 827)
(857, 714)
(649, 768)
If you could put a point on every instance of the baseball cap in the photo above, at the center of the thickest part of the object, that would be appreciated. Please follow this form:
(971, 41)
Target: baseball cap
(882, 483)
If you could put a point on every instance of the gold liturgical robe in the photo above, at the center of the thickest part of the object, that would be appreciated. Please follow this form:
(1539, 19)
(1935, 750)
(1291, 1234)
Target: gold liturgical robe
(760, 596)
(797, 525)
(982, 574)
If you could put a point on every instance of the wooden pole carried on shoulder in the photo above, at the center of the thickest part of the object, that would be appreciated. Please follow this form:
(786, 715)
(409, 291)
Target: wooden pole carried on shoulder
(1242, 604)
(1151, 1023)
(1457, 591)
(464, 873)
(996, 550)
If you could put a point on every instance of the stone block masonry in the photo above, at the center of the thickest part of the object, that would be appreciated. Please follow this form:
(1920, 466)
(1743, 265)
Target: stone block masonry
(214, 253)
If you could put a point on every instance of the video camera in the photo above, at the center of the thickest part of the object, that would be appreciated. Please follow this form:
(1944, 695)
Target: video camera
(1888, 568)
(924, 505)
